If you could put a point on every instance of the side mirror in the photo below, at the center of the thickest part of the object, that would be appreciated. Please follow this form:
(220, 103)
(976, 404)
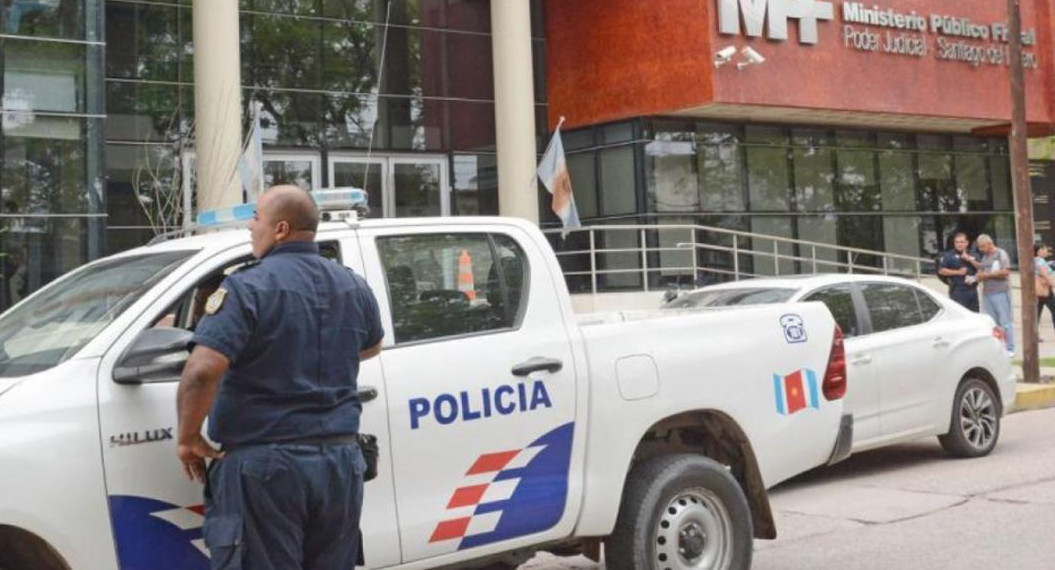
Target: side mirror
(157, 355)
(670, 294)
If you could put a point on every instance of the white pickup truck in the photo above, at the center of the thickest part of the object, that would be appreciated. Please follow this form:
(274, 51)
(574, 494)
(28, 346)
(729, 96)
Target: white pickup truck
(507, 424)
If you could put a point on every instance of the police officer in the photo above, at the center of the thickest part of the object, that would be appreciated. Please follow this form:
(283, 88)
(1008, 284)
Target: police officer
(276, 358)
(959, 273)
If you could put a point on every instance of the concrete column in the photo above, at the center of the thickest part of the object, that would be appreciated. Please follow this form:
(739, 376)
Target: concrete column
(217, 103)
(514, 108)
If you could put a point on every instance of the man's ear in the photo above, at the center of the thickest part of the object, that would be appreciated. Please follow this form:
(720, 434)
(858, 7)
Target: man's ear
(283, 231)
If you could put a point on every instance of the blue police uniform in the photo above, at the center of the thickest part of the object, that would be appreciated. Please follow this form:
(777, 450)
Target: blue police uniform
(960, 291)
(288, 492)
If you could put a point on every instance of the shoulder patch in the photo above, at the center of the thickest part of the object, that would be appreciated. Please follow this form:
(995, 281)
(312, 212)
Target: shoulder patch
(215, 301)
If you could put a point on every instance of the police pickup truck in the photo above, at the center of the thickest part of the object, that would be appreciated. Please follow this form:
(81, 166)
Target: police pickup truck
(507, 424)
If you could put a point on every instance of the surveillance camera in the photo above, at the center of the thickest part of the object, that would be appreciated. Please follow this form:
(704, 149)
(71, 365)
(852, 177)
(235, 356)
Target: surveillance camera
(724, 56)
(753, 58)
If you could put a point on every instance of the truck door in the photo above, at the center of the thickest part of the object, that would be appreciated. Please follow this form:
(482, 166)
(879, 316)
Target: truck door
(156, 514)
(481, 390)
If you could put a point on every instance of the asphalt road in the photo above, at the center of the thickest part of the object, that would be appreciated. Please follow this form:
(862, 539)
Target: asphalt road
(909, 506)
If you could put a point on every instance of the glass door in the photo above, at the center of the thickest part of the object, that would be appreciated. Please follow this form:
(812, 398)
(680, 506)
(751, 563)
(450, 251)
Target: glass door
(397, 186)
(366, 173)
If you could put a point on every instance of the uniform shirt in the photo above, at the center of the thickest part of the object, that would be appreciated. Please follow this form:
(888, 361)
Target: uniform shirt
(292, 327)
(951, 260)
(990, 263)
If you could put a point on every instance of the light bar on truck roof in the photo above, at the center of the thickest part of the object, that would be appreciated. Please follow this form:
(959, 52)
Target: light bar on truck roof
(234, 215)
(340, 199)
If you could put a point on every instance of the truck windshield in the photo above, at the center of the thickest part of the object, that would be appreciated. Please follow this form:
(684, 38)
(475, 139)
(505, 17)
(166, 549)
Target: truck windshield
(52, 326)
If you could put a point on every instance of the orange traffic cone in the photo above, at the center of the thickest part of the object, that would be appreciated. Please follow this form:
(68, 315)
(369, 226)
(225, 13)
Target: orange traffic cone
(465, 275)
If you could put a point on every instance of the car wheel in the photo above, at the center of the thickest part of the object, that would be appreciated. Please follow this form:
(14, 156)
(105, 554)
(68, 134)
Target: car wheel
(681, 512)
(975, 423)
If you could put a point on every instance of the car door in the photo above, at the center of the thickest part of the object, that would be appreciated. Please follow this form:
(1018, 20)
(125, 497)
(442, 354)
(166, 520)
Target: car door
(481, 391)
(863, 398)
(906, 356)
(155, 512)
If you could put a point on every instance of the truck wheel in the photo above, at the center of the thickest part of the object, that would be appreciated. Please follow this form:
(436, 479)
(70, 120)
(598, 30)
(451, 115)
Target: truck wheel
(975, 423)
(681, 512)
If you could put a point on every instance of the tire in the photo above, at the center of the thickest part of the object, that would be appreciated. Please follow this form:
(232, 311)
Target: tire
(680, 503)
(974, 426)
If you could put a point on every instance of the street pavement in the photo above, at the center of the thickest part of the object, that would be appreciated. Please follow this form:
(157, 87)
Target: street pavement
(910, 506)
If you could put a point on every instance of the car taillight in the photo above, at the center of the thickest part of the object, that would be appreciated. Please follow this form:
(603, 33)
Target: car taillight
(835, 377)
(999, 334)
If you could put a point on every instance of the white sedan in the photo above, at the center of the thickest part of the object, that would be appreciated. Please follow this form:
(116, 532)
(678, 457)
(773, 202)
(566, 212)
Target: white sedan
(918, 364)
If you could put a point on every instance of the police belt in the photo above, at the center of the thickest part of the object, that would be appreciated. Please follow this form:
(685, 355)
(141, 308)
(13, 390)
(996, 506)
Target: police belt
(352, 439)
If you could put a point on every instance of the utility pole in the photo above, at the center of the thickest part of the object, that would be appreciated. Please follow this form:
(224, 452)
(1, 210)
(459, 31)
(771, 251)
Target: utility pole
(1023, 198)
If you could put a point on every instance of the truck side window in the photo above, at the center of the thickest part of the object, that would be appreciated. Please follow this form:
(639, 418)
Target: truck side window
(443, 285)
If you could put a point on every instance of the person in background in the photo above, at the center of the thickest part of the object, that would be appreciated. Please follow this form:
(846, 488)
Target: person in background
(959, 274)
(994, 272)
(1045, 281)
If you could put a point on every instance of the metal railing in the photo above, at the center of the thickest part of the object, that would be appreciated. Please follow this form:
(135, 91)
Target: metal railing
(653, 245)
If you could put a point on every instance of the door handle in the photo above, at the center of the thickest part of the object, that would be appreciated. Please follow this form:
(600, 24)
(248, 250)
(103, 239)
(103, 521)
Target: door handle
(551, 365)
(861, 360)
(941, 343)
(367, 394)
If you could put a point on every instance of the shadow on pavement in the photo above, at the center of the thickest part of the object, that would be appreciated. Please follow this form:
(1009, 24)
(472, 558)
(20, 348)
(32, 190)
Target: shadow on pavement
(874, 462)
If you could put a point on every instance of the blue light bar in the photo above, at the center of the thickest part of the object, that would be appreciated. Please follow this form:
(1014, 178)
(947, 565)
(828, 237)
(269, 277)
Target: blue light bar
(346, 198)
(239, 214)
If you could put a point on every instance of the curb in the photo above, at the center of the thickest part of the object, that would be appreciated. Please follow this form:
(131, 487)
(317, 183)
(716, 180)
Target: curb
(1033, 397)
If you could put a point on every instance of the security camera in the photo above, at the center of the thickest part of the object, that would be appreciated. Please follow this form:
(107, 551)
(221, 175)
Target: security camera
(724, 56)
(752, 56)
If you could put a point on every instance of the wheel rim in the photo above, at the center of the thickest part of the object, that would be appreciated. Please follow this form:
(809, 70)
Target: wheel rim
(694, 533)
(978, 418)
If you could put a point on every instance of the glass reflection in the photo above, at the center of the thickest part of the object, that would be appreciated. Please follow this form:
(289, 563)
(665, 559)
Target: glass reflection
(44, 18)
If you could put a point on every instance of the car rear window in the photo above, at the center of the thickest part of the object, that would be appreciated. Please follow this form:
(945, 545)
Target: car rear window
(731, 297)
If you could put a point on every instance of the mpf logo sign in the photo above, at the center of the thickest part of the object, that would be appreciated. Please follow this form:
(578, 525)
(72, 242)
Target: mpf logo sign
(807, 12)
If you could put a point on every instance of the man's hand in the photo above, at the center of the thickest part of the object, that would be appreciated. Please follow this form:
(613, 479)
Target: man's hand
(966, 256)
(963, 271)
(192, 454)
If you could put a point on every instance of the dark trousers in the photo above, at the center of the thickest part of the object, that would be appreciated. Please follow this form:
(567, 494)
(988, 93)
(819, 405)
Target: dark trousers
(967, 297)
(1048, 302)
(283, 506)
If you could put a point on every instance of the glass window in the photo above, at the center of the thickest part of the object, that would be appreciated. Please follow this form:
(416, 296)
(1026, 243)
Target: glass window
(891, 306)
(897, 179)
(472, 125)
(839, 300)
(476, 185)
(144, 112)
(43, 18)
(901, 236)
(927, 305)
(282, 51)
(858, 191)
(470, 68)
(143, 187)
(1000, 174)
(295, 171)
(470, 15)
(814, 179)
(672, 182)
(44, 167)
(59, 322)
(764, 261)
(766, 134)
(443, 285)
(720, 167)
(293, 119)
(822, 230)
(937, 191)
(349, 56)
(767, 178)
(38, 250)
(583, 183)
(618, 183)
(45, 76)
(144, 41)
(417, 188)
(972, 182)
(862, 232)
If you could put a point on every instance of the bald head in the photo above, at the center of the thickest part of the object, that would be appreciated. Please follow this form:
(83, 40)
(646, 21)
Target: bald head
(283, 214)
(292, 205)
